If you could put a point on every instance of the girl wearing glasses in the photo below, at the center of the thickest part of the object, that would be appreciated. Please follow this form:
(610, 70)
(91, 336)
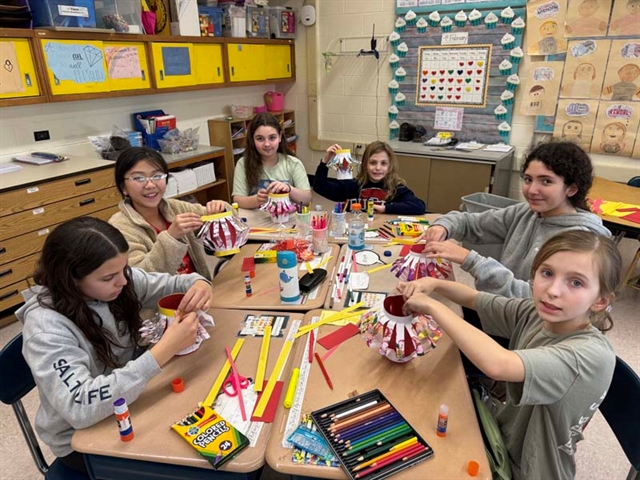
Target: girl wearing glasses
(161, 232)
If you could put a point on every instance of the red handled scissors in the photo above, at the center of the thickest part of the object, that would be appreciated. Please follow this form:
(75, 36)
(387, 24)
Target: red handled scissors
(230, 388)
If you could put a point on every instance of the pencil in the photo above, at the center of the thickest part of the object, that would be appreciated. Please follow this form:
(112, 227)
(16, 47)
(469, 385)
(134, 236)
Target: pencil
(311, 341)
(324, 371)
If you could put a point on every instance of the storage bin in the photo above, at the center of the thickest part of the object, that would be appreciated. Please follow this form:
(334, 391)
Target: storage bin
(282, 22)
(124, 16)
(257, 21)
(234, 21)
(481, 202)
(210, 21)
(63, 13)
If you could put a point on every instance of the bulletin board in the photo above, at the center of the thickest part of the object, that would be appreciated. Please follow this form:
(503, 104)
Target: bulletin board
(438, 92)
(422, 6)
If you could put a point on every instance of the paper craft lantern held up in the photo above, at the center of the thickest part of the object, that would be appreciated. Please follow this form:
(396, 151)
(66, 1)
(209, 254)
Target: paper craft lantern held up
(397, 336)
(344, 164)
(279, 206)
(223, 233)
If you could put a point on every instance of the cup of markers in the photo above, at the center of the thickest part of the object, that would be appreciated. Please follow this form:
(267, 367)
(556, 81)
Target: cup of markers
(319, 241)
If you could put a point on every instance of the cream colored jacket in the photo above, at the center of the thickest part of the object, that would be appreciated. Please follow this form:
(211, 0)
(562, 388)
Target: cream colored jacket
(160, 252)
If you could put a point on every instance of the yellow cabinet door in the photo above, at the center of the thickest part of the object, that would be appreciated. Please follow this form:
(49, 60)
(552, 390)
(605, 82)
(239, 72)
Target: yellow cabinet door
(246, 62)
(127, 65)
(278, 61)
(208, 63)
(75, 66)
(18, 74)
(173, 64)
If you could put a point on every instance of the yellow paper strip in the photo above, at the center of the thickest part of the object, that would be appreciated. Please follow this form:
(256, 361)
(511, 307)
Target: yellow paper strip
(309, 268)
(323, 262)
(338, 315)
(381, 267)
(262, 360)
(217, 385)
(275, 375)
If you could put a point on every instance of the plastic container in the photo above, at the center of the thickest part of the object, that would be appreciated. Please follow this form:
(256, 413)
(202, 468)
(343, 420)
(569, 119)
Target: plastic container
(234, 21)
(481, 202)
(210, 21)
(282, 22)
(124, 16)
(274, 101)
(63, 13)
(356, 228)
(257, 21)
(288, 276)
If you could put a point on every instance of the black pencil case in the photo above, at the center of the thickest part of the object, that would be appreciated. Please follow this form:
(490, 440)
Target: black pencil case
(311, 280)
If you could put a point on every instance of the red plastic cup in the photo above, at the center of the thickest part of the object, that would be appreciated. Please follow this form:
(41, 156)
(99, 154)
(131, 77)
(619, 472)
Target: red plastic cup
(177, 385)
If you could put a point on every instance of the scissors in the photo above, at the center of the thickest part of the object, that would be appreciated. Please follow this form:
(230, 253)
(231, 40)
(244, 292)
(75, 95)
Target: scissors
(230, 388)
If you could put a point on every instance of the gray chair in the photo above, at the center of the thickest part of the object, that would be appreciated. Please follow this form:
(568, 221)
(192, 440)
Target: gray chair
(16, 381)
(621, 410)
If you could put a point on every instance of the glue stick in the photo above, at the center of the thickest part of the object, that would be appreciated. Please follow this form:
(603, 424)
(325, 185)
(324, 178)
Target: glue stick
(247, 285)
(370, 210)
(443, 419)
(124, 422)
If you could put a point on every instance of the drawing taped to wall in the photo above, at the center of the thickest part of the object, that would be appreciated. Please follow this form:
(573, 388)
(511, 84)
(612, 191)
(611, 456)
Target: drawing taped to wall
(622, 81)
(584, 68)
(616, 127)
(575, 120)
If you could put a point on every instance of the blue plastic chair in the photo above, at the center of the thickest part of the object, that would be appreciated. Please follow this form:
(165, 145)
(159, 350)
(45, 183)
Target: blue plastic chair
(16, 381)
(620, 409)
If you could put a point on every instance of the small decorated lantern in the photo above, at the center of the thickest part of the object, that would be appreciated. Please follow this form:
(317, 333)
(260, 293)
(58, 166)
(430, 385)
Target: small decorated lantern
(279, 206)
(397, 336)
(416, 265)
(153, 328)
(343, 164)
(223, 233)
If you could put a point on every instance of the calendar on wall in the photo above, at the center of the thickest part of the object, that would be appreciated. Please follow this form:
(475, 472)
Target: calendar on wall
(453, 75)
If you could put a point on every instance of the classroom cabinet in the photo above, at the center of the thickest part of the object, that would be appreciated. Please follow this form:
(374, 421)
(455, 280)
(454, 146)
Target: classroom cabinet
(18, 73)
(209, 66)
(278, 61)
(246, 62)
(173, 64)
(127, 65)
(32, 205)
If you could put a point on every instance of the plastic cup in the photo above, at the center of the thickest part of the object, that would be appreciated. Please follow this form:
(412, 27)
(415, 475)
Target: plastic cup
(338, 224)
(303, 221)
(319, 242)
(177, 385)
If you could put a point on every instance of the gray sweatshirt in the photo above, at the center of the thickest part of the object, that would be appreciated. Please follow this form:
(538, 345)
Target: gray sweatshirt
(76, 390)
(521, 233)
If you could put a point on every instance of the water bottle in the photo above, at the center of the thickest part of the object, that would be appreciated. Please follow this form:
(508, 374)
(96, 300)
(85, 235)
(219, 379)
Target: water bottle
(356, 228)
(288, 276)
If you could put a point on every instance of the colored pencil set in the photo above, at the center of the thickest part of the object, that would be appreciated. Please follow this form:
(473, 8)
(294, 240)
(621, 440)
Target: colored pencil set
(370, 438)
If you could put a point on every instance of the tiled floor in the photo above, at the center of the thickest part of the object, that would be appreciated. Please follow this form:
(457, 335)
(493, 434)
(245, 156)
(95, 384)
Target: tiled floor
(599, 455)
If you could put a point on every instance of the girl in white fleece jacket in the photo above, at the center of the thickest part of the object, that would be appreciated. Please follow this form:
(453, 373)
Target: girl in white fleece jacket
(81, 329)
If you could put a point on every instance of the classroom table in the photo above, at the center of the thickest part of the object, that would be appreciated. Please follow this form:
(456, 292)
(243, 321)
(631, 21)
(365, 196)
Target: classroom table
(229, 288)
(416, 388)
(159, 452)
(380, 281)
(616, 192)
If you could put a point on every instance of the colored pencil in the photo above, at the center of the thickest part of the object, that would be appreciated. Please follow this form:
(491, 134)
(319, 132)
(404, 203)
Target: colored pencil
(402, 455)
(378, 427)
(392, 451)
(371, 452)
(312, 338)
(348, 421)
(349, 410)
(353, 449)
(375, 439)
(324, 371)
(368, 424)
(381, 430)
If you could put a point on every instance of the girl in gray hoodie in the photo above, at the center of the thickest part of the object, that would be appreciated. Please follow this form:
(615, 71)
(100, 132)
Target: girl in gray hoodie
(81, 329)
(556, 178)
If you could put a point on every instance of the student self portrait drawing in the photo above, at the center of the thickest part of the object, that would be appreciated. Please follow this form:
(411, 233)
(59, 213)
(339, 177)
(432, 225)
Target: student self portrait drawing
(625, 18)
(584, 68)
(622, 81)
(575, 120)
(541, 87)
(545, 33)
(616, 127)
(587, 18)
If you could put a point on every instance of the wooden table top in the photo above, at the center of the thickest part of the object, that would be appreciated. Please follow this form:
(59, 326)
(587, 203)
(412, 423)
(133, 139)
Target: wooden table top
(416, 389)
(153, 413)
(615, 192)
(229, 290)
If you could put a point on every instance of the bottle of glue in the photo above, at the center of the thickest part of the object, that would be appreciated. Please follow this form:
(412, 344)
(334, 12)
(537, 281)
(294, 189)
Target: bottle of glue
(124, 422)
(443, 419)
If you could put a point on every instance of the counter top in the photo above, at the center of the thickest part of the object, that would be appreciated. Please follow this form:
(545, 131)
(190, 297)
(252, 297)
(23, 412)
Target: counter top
(449, 154)
(33, 174)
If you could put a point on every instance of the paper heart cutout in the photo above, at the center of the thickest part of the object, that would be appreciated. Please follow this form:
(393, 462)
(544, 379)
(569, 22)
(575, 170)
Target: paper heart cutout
(432, 88)
(478, 80)
(424, 88)
(469, 72)
(467, 80)
(424, 80)
(457, 97)
(449, 97)
(423, 96)
(470, 63)
(450, 88)
(461, 64)
(480, 63)
(459, 80)
(439, 97)
(424, 72)
(477, 88)
(458, 89)
(468, 89)
(449, 80)
(441, 88)
(432, 96)
(441, 80)
(460, 72)
(449, 72)
(441, 72)
(479, 72)
(433, 80)
(433, 72)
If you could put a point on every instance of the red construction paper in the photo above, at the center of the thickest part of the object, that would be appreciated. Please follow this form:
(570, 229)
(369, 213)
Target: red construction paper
(405, 250)
(339, 336)
(269, 412)
(633, 217)
(248, 264)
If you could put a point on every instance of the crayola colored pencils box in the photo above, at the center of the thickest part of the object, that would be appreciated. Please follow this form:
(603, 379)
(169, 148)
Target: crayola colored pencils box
(211, 435)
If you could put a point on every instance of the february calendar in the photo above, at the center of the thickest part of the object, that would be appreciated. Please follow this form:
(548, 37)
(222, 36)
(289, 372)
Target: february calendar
(453, 75)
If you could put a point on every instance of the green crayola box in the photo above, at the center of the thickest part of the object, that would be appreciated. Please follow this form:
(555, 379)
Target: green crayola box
(211, 435)
(266, 253)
